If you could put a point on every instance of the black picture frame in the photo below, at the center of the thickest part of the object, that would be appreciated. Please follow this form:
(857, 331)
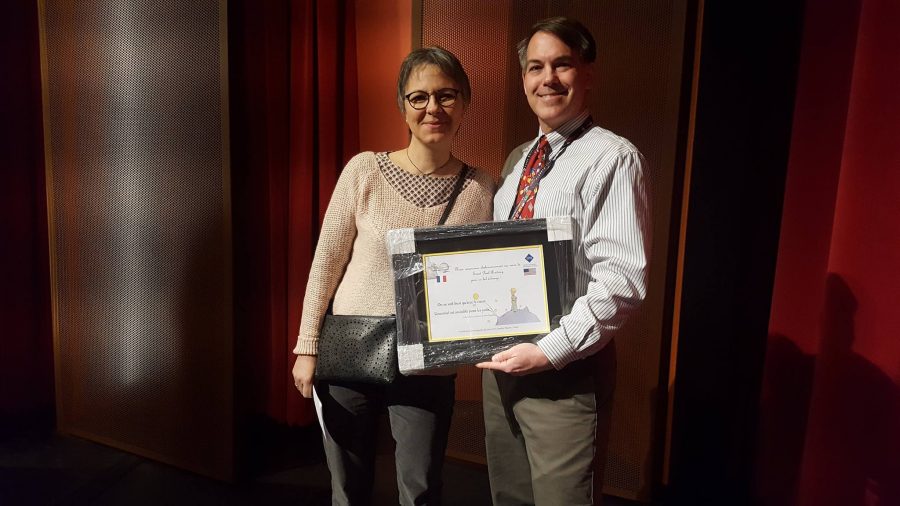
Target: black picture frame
(409, 284)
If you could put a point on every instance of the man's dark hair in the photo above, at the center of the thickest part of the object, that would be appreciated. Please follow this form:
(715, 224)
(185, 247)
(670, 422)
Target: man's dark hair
(571, 32)
(444, 60)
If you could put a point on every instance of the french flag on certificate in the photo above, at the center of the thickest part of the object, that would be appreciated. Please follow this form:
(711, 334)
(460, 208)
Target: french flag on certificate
(530, 271)
(441, 279)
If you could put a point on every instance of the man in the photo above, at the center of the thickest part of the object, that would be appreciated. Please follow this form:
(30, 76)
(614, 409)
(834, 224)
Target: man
(546, 405)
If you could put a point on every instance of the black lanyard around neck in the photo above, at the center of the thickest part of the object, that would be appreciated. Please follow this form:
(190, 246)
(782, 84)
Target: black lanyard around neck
(547, 166)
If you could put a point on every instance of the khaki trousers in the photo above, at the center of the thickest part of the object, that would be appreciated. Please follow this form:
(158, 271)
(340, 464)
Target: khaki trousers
(547, 433)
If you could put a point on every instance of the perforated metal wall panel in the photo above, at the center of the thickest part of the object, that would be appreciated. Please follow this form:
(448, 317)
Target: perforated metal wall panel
(637, 94)
(137, 182)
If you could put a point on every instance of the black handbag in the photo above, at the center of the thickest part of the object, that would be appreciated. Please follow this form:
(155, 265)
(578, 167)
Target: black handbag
(358, 348)
(364, 348)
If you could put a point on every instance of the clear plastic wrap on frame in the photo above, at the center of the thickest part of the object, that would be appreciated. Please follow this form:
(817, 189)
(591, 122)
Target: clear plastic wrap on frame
(407, 248)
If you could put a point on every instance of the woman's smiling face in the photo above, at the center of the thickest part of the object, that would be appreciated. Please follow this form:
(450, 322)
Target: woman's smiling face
(435, 123)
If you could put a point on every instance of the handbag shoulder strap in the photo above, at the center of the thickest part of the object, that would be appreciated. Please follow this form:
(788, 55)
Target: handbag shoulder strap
(457, 187)
(460, 180)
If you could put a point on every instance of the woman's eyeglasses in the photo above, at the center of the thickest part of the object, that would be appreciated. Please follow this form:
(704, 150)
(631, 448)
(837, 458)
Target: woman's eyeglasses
(418, 100)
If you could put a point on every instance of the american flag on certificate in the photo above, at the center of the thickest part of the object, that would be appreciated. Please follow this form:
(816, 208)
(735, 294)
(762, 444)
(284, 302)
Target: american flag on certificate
(530, 271)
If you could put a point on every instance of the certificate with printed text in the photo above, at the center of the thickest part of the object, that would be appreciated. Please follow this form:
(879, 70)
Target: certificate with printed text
(486, 293)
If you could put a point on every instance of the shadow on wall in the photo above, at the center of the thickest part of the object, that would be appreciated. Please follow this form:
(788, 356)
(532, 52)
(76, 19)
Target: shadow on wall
(830, 424)
(783, 418)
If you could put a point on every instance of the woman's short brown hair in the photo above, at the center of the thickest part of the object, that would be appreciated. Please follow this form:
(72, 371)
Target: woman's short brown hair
(443, 60)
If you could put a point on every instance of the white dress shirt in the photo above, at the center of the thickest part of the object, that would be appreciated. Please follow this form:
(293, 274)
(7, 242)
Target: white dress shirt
(599, 182)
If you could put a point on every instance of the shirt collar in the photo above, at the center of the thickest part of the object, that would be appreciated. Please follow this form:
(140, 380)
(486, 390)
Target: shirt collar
(558, 136)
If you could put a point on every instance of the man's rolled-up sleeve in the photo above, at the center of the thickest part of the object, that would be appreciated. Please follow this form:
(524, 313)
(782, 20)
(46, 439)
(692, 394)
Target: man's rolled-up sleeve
(614, 247)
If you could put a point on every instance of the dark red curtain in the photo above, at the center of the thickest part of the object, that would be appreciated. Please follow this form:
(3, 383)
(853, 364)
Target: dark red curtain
(830, 406)
(294, 124)
(324, 126)
(26, 342)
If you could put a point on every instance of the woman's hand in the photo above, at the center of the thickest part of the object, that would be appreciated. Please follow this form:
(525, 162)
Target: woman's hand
(304, 373)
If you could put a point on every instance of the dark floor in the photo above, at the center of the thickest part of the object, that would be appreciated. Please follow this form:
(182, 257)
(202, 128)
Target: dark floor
(39, 467)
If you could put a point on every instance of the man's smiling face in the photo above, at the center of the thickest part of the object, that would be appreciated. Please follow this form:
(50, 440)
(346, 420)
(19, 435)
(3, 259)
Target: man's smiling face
(555, 79)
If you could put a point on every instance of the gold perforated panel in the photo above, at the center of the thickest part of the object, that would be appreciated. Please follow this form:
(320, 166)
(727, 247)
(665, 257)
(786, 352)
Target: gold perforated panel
(637, 95)
(137, 184)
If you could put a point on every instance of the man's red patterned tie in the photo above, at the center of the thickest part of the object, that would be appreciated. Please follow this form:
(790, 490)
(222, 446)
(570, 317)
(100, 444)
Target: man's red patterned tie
(527, 192)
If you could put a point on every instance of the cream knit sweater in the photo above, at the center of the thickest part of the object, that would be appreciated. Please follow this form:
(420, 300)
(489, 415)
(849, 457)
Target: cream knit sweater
(351, 261)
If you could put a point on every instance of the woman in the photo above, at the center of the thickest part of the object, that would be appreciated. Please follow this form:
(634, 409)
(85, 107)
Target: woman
(375, 193)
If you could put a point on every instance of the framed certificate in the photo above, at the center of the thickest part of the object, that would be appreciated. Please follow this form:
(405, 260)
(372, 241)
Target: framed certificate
(464, 293)
(485, 293)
